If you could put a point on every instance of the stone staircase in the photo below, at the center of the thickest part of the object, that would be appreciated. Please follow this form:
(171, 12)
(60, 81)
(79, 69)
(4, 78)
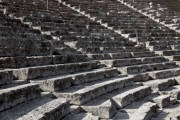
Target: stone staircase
(164, 12)
(85, 60)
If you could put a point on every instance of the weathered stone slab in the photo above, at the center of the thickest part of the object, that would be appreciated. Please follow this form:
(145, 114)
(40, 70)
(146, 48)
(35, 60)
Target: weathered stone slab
(81, 116)
(160, 84)
(162, 100)
(130, 96)
(52, 70)
(133, 61)
(6, 76)
(84, 93)
(147, 67)
(52, 110)
(165, 73)
(102, 107)
(12, 96)
(62, 82)
(145, 112)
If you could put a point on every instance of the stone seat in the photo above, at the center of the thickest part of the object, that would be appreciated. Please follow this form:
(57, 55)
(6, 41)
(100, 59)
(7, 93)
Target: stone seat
(160, 47)
(58, 43)
(172, 111)
(173, 91)
(160, 84)
(115, 44)
(90, 50)
(160, 74)
(85, 92)
(9, 52)
(135, 69)
(35, 72)
(19, 94)
(20, 43)
(161, 39)
(133, 61)
(25, 61)
(35, 16)
(44, 107)
(157, 74)
(170, 42)
(169, 52)
(175, 47)
(119, 55)
(105, 43)
(111, 49)
(145, 108)
(174, 57)
(31, 35)
(58, 83)
(99, 38)
(66, 50)
(107, 106)
(81, 116)
(6, 76)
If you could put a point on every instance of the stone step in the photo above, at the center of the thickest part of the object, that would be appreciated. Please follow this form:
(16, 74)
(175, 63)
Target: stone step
(177, 62)
(57, 108)
(107, 105)
(81, 116)
(6, 76)
(130, 96)
(62, 82)
(141, 77)
(10, 97)
(20, 35)
(160, 47)
(162, 100)
(9, 52)
(146, 67)
(133, 61)
(174, 58)
(119, 55)
(169, 52)
(52, 70)
(112, 49)
(102, 44)
(66, 51)
(170, 113)
(44, 107)
(85, 92)
(176, 47)
(29, 44)
(129, 111)
(13, 83)
(139, 110)
(160, 74)
(173, 91)
(143, 54)
(19, 62)
(87, 39)
(103, 107)
(160, 84)
(82, 45)
(170, 42)
(145, 112)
